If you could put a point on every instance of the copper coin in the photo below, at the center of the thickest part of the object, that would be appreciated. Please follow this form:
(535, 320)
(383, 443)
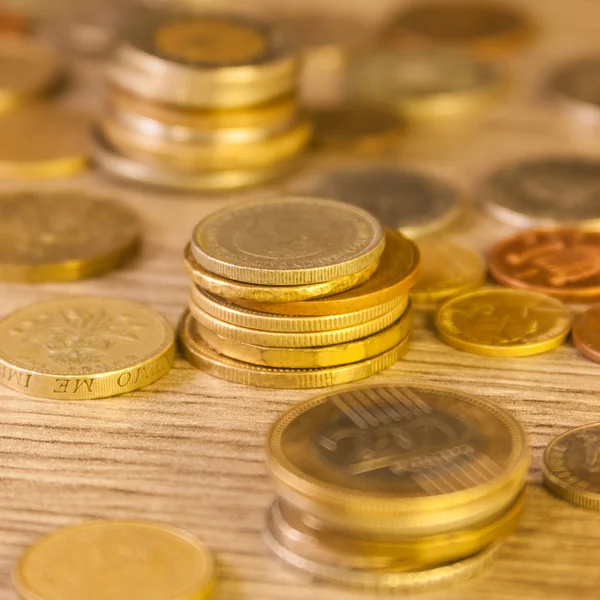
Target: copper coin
(564, 263)
(12, 21)
(586, 333)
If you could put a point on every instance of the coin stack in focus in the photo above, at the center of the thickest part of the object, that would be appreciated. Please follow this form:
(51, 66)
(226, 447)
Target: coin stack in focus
(297, 292)
(202, 103)
(390, 487)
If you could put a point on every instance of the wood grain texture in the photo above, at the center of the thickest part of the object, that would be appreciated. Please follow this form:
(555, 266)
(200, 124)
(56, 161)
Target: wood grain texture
(189, 449)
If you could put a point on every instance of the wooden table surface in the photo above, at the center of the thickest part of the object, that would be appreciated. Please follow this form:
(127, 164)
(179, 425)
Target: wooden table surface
(189, 449)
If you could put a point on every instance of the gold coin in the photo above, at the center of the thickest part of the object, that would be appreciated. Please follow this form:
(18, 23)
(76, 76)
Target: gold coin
(78, 348)
(571, 466)
(241, 292)
(202, 356)
(311, 358)
(288, 241)
(64, 235)
(398, 461)
(396, 274)
(43, 141)
(106, 560)
(243, 317)
(501, 322)
(447, 270)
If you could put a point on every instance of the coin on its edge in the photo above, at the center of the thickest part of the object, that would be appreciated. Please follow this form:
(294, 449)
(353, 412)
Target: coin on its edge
(116, 559)
(79, 348)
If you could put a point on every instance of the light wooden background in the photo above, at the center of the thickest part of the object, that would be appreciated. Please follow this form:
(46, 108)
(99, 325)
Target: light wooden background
(189, 450)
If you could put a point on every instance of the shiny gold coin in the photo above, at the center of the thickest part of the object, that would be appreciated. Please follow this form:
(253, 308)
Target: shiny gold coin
(447, 270)
(244, 292)
(311, 358)
(243, 317)
(570, 466)
(501, 322)
(288, 241)
(106, 560)
(44, 141)
(396, 274)
(398, 461)
(78, 348)
(64, 235)
(202, 356)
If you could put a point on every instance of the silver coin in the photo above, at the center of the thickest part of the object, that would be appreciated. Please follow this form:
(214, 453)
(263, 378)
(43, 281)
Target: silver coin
(544, 191)
(400, 198)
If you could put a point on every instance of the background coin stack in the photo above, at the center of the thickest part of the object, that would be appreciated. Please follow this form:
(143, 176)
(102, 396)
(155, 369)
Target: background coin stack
(202, 103)
(297, 293)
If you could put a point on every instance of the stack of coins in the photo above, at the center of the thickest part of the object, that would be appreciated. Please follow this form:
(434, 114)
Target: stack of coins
(297, 292)
(202, 103)
(394, 487)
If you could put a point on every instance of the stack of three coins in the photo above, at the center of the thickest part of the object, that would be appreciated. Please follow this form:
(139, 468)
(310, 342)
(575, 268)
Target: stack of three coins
(297, 292)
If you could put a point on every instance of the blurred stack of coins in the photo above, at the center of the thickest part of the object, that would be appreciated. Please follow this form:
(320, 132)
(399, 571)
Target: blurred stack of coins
(394, 487)
(297, 292)
(204, 102)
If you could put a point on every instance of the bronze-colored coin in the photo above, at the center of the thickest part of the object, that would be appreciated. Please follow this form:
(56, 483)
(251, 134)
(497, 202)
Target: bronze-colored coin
(12, 21)
(564, 263)
(399, 461)
(571, 466)
(586, 333)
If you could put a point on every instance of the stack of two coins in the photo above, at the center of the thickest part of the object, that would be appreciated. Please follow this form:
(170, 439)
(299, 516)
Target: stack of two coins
(297, 292)
(394, 487)
(202, 103)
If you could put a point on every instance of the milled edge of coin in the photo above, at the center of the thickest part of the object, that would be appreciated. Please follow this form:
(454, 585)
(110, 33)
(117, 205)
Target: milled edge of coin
(203, 357)
(579, 337)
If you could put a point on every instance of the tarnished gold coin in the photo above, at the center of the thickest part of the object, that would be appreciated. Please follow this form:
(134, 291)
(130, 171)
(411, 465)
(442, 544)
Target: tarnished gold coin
(447, 270)
(106, 560)
(78, 348)
(398, 461)
(288, 241)
(502, 322)
(571, 466)
(63, 235)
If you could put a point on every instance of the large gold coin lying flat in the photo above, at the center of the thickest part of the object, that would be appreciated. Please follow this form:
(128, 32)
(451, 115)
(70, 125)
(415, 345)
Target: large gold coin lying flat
(501, 322)
(106, 560)
(311, 358)
(396, 274)
(571, 466)
(85, 347)
(398, 461)
(61, 236)
(43, 141)
(202, 356)
(289, 241)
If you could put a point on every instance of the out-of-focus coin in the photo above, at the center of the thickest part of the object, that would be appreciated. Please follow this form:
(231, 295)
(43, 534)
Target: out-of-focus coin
(12, 21)
(424, 85)
(104, 560)
(288, 241)
(400, 198)
(545, 191)
(564, 263)
(447, 269)
(501, 322)
(44, 141)
(466, 463)
(570, 466)
(395, 275)
(202, 356)
(586, 333)
(79, 348)
(61, 236)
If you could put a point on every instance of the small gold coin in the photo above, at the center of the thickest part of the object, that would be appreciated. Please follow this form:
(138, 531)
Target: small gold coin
(288, 241)
(447, 270)
(311, 358)
(106, 560)
(44, 141)
(202, 356)
(501, 322)
(571, 466)
(61, 236)
(78, 348)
